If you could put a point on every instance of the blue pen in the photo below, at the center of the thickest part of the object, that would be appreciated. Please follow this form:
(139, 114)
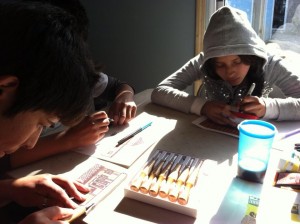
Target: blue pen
(133, 133)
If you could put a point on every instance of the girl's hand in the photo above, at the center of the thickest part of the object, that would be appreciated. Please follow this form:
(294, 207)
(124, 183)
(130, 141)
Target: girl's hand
(219, 113)
(253, 105)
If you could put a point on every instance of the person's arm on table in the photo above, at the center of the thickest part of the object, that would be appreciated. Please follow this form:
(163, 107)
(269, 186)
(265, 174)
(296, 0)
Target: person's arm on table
(87, 132)
(119, 95)
(171, 91)
(123, 108)
(43, 191)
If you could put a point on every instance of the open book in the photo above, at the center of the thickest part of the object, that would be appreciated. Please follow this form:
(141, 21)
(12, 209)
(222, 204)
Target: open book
(207, 124)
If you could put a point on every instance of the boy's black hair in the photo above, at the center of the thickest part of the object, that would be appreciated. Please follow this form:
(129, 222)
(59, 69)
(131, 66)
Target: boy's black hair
(75, 8)
(40, 44)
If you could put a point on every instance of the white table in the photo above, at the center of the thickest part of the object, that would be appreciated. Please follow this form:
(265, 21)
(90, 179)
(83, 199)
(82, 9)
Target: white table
(225, 201)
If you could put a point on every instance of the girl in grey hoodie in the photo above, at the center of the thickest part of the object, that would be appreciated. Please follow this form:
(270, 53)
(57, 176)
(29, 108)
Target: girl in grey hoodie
(233, 58)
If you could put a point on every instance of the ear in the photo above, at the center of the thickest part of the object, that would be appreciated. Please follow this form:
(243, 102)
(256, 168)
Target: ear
(8, 85)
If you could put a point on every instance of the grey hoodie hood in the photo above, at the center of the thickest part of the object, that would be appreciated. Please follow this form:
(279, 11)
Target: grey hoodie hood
(230, 33)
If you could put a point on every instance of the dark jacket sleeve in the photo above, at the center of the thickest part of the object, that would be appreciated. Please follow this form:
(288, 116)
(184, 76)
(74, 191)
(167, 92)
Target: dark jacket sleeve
(109, 94)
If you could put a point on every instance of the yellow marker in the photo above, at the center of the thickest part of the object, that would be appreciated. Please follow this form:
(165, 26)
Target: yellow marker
(171, 179)
(161, 178)
(152, 178)
(173, 194)
(136, 183)
(191, 181)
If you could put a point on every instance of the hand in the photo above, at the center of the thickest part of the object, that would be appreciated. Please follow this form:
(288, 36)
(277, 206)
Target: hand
(253, 105)
(46, 190)
(218, 112)
(123, 108)
(90, 130)
(49, 215)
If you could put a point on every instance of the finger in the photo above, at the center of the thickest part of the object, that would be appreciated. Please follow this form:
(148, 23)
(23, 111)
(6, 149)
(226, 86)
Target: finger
(98, 115)
(57, 213)
(122, 116)
(62, 190)
(250, 107)
(133, 112)
(127, 117)
(102, 122)
(49, 215)
(224, 119)
(116, 118)
(81, 187)
(73, 188)
(249, 100)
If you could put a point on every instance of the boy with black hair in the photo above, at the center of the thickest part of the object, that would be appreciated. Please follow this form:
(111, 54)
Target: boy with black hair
(108, 89)
(41, 54)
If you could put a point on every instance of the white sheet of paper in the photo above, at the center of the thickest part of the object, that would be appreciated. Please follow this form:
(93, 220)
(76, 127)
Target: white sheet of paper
(128, 152)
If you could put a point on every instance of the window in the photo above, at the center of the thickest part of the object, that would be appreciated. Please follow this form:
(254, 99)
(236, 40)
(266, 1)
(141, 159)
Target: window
(276, 21)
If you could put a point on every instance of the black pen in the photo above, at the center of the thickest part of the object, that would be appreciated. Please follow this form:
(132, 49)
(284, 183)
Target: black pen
(133, 134)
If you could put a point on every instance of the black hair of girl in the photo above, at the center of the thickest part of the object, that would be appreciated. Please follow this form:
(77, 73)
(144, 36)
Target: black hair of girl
(255, 73)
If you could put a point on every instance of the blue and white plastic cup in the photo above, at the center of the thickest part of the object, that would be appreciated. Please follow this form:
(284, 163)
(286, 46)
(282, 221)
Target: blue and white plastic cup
(255, 143)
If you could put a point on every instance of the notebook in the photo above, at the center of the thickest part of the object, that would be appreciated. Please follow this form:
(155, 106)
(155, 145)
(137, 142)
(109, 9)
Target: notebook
(207, 124)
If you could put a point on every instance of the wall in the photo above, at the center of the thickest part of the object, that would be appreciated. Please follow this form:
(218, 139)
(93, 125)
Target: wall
(141, 41)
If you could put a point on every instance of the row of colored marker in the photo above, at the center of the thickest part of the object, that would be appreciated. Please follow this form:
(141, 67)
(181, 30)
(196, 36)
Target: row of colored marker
(168, 175)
